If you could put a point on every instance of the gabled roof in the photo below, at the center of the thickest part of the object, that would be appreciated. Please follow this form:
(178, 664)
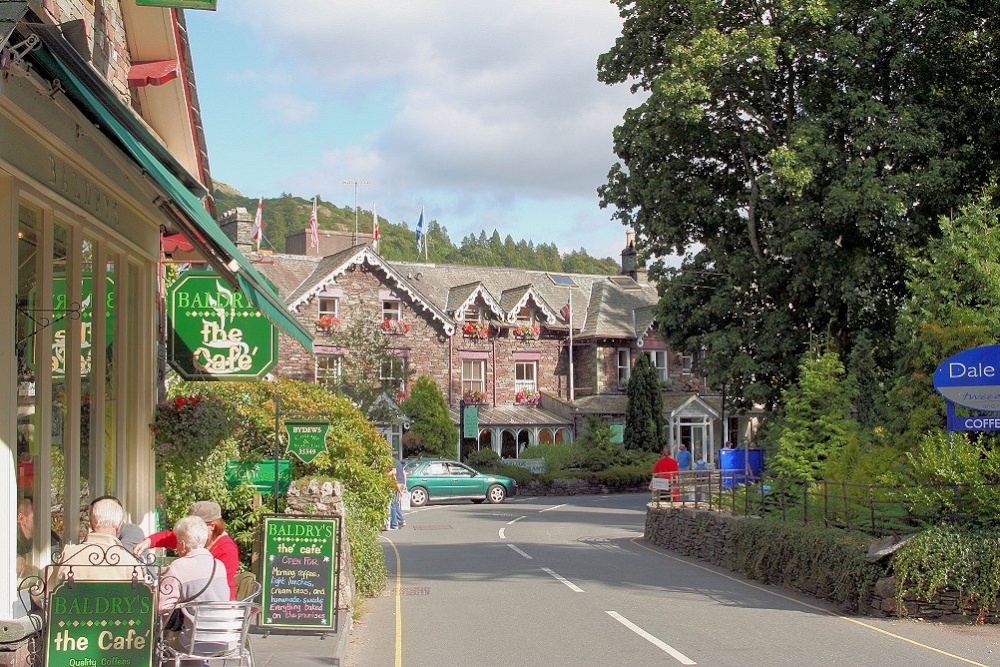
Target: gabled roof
(462, 296)
(513, 300)
(330, 267)
(696, 405)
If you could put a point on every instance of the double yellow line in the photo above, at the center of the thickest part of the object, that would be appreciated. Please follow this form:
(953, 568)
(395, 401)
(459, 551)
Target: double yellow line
(398, 594)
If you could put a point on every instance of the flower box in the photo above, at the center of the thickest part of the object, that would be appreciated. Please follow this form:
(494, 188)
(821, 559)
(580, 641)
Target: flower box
(474, 397)
(526, 331)
(394, 327)
(527, 397)
(477, 330)
(328, 324)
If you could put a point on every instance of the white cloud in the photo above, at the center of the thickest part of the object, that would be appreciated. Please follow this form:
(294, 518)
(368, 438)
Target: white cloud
(290, 109)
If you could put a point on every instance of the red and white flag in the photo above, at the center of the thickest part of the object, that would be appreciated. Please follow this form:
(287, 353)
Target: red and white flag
(375, 233)
(314, 227)
(258, 223)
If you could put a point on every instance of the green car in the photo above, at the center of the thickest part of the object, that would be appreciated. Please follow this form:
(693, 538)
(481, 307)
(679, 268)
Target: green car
(440, 479)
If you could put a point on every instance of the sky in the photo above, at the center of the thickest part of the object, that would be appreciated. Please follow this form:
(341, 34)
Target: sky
(488, 115)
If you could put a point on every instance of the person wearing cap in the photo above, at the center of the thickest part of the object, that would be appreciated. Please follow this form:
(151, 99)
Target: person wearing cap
(219, 544)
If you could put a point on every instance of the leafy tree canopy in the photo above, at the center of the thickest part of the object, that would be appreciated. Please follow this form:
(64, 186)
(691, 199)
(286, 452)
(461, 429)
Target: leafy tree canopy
(797, 151)
(432, 432)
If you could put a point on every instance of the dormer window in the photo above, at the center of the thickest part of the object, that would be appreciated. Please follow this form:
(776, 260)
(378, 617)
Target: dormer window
(526, 315)
(329, 306)
(392, 310)
(473, 313)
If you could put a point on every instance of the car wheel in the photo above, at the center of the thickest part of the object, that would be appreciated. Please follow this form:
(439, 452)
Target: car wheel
(496, 494)
(418, 496)
(478, 501)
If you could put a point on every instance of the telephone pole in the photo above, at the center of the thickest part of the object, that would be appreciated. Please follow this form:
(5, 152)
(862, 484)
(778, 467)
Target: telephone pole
(355, 182)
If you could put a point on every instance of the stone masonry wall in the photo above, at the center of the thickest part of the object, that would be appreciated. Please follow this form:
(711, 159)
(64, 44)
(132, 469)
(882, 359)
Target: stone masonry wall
(105, 31)
(704, 534)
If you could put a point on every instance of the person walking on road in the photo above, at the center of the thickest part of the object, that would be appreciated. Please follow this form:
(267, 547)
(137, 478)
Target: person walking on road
(396, 520)
(667, 468)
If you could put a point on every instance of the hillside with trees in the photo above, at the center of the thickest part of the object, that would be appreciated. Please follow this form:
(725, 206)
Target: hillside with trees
(399, 243)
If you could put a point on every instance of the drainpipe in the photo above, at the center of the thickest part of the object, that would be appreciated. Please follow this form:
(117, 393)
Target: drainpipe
(451, 369)
(493, 359)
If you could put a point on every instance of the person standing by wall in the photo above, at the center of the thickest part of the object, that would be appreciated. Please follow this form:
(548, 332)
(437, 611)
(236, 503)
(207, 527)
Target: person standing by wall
(396, 520)
(683, 457)
(667, 468)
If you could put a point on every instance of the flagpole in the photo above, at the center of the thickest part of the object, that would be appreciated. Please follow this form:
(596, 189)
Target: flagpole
(425, 232)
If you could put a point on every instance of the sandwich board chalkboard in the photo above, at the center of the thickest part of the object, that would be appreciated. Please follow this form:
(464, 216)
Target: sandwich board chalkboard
(300, 573)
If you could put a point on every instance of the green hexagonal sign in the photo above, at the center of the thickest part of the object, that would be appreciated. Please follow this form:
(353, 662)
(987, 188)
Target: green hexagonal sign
(215, 332)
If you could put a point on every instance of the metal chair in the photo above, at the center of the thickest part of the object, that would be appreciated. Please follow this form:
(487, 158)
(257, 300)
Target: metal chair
(218, 633)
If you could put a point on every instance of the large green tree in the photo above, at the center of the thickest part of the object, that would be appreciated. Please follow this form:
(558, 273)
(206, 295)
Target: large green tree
(432, 433)
(796, 151)
(644, 410)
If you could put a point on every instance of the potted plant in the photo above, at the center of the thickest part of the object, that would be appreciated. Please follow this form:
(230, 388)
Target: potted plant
(395, 327)
(478, 330)
(527, 397)
(526, 331)
(475, 396)
(327, 324)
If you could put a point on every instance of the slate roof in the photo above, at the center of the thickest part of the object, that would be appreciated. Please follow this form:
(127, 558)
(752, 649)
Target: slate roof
(602, 308)
(514, 415)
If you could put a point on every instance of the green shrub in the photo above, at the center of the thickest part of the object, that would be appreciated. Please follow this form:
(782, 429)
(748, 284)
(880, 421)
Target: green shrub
(522, 476)
(622, 478)
(825, 562)
(367, 557)
(432, 432)
(950, 557)
(557, 457)
(484, 460)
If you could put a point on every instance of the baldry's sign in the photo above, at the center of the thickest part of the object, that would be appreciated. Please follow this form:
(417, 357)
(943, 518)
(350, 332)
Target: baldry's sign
(216, 333)
(971, 379)
(65, 314)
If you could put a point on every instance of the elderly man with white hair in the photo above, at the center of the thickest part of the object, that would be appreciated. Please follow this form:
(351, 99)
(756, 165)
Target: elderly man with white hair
(100, 557)
(196, 576)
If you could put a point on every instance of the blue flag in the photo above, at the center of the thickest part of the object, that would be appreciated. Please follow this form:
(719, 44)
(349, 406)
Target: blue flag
(420, 229)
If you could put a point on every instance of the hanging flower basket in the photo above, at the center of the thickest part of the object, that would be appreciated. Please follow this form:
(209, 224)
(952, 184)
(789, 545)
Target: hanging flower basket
(527, 397)
(526, 331)
(477, 330)
(475, 397)
(394, 327)
(328, 324)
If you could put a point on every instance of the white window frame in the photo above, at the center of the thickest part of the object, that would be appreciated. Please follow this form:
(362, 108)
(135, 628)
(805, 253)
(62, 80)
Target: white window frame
(687, 363)
(522, 383)
(324, 376)
(473, 313)
(392, 309)
(659, 360)
(325, 309)
(397, 372)
(624, 369)
(473, 367)
(526, 315)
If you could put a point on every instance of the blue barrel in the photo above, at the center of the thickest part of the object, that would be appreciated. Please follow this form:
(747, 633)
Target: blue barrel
(733, 464)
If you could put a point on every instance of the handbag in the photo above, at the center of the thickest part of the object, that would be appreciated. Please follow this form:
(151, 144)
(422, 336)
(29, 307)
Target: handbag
(175, 622)
(404, 501)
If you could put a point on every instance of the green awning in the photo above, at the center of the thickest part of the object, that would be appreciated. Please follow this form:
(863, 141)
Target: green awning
(180, 205)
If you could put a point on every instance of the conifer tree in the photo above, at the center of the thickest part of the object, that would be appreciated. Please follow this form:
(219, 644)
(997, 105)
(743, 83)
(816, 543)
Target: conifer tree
(644, 412)
(432, 432)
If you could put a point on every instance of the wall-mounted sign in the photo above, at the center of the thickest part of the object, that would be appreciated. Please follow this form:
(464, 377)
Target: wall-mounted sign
(971, 378)
(183, 4)
(100, 623)
(64, 315)
(259, 474)
(300, 572)
(306, 439)
(216, 333)
(617, 434)
(470, 422)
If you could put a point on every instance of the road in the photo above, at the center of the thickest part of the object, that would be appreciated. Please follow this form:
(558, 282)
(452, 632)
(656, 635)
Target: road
(570, 581)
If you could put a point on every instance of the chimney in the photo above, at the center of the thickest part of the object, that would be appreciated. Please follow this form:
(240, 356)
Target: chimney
(630, 258)
(331, 241)
(238, 226)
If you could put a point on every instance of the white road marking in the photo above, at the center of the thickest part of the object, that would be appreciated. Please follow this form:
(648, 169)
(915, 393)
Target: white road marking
(552, 508)
(502, 536)
(520, 552)
(663, 646)
(515, 520)
(573, 587)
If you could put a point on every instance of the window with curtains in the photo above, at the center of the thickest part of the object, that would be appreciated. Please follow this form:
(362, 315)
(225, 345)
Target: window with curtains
(624, 363)
(658, 358)
(473, 376)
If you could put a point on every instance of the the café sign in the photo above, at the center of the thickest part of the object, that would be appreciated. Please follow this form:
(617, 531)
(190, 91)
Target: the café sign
(215, 332)
(100, 623)
(64, 314)
(306, 439)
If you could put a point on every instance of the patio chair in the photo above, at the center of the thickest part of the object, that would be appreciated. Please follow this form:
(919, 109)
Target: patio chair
(218, 634)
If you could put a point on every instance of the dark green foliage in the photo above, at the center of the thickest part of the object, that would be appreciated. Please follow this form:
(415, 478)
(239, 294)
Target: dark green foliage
(644, 412)
(398, 241)
(825, 562)
(370, 353)
(805, 148)
(484, 460)
(521, 475)
(432, 432)
(557, 457)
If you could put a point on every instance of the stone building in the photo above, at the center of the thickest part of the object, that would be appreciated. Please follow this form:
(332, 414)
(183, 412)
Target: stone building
(500, 337)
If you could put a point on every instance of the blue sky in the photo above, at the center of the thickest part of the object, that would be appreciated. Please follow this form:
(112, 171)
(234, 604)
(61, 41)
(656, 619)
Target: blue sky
(487, 114)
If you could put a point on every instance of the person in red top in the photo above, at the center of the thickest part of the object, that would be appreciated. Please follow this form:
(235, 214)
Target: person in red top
(663, 468)
(220, 544)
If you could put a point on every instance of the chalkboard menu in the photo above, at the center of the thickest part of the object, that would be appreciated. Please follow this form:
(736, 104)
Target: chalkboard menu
(300, 572)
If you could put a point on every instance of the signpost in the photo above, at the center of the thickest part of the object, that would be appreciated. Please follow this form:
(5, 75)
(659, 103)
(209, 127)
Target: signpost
(971, 379)
(260, 475)
(306, 439)
(216, 333)
(100, 623)
(300, 573)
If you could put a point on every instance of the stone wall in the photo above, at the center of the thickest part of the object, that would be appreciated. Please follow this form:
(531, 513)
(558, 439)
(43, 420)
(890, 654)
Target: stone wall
(104, 30)
(704, 534)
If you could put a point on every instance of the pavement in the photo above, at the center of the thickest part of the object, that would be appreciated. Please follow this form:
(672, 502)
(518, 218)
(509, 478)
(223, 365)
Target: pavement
(298, 649)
